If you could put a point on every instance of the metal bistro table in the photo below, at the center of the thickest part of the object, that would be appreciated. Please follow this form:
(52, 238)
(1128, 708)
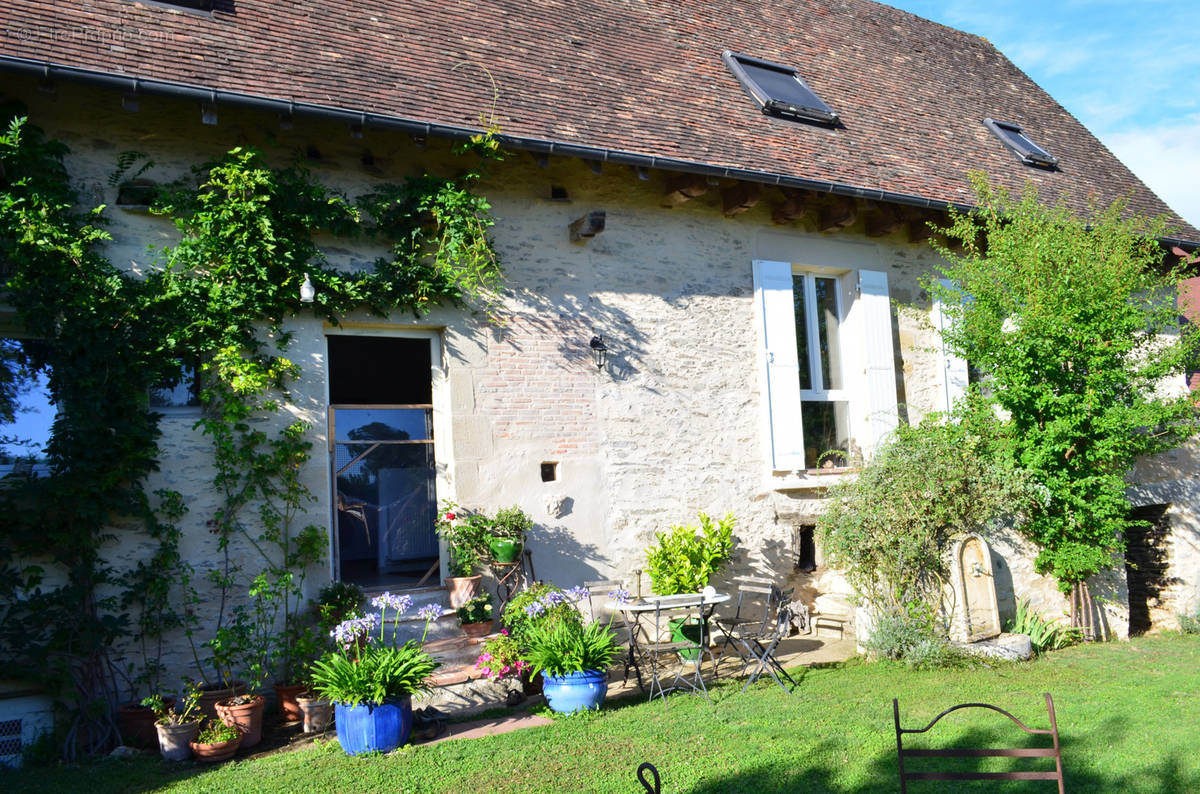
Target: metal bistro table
(636, 609)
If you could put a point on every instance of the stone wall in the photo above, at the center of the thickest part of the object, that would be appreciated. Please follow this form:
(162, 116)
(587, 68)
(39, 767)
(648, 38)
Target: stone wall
(674, 424)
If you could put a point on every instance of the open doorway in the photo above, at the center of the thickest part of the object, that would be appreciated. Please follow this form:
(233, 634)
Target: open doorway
(382, 458)
(1147, 562)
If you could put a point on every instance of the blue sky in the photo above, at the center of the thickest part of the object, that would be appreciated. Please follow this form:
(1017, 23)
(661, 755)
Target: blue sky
(1130, 71)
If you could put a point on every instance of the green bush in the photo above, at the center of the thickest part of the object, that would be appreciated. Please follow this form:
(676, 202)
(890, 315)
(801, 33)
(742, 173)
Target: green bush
(1044, 634)
(1190, 623)
(889, 529)
(685, 558)
(914, 638)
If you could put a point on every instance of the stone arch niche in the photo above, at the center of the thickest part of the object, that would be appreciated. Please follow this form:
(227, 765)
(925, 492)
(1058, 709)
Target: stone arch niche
(978, 616)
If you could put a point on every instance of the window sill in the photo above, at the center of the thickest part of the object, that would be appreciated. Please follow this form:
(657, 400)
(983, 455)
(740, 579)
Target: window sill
(809, 479)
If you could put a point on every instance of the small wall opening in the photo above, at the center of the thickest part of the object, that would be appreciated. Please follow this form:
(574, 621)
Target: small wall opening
(549, 472)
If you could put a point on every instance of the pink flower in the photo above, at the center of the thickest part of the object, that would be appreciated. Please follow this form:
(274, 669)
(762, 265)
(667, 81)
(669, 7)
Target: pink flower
(504, 632)
(450, 516)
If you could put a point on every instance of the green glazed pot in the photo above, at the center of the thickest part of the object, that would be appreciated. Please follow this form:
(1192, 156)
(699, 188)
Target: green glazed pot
(505, 550)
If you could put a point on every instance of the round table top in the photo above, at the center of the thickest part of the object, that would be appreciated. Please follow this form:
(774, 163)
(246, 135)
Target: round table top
(650, 603)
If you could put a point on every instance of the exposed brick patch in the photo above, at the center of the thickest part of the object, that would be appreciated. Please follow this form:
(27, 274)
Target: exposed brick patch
(540, 384)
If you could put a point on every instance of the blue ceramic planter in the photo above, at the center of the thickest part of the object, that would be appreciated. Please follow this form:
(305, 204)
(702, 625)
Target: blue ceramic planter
(365, 728)
(575, 691)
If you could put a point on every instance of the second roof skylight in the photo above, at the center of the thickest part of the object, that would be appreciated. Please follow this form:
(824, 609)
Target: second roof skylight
(779, 89)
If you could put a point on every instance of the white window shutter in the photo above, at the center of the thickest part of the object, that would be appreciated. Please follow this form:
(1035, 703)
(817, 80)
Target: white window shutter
(876, 313)
(952, 369)
(773, 294)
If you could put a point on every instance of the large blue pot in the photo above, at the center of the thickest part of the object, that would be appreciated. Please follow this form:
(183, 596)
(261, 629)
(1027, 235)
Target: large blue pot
(575, 691)
(365, 728)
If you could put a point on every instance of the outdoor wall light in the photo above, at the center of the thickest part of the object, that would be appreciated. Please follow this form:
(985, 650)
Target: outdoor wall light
(599, 351)
(307, 290)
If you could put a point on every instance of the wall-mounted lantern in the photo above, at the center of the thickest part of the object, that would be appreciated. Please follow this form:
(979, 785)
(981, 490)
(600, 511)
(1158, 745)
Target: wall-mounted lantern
(599, 351)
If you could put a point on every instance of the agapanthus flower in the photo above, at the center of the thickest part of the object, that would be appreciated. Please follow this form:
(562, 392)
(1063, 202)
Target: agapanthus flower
(430, 612)
(620, 595)
(351, 631)
(396, 603)
(535, 608)
(554, 598)
(579, 593)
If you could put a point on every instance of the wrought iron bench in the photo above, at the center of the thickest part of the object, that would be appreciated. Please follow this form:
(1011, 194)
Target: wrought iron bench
(1008, 752)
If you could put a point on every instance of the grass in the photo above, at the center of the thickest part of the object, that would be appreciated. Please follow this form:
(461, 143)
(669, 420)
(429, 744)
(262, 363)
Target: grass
(1126, 713)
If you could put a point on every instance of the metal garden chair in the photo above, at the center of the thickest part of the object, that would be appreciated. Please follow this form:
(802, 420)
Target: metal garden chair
(666, 657)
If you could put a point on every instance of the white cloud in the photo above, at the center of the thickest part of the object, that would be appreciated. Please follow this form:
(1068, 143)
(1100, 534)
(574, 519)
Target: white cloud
(1167, 158)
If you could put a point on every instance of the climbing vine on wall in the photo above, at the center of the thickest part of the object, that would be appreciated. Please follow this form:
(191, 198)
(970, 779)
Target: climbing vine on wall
(219, 301)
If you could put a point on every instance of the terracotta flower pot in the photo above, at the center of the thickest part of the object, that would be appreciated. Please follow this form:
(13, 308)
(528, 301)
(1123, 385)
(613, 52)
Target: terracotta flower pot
(216, 751)
(478, 629)
(286, 695)
(174, 740)
(212, 694)
(246, 716)
(136, 723)
(318, 713)
(462, 589)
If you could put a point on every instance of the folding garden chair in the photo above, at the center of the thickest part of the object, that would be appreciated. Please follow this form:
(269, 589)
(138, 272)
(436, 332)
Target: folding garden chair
(673, 657)
(756, 596)
(758, 647)
(598, 591)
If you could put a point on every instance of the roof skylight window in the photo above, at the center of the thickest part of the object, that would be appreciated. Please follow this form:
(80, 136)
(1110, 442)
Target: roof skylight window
(1020, 144)
(779, 89)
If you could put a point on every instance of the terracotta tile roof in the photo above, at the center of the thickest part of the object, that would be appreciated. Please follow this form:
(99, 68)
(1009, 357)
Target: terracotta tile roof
(641, 76)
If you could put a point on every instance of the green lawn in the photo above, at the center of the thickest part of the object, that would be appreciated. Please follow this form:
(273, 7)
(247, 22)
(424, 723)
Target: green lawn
(1128, 714)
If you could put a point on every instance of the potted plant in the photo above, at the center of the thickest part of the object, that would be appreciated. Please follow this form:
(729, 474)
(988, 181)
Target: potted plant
(315, 711)
(175, 729)
(500, 658)
(466, 535)
(508, 534)
(683, 561)
(573, 659)
(297, 652)
(371, 682)
(250, 637)
(540, 604)
(216, 741)
(476, 616)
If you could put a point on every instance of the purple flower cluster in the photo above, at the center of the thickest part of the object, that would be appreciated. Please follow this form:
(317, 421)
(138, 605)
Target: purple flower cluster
(397, 603)
(620, 595)
(429, 611)
(535, 608)
(349, 632)
(579, 593)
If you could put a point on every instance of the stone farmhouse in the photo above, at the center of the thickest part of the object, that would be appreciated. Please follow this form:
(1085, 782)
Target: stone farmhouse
(686, 182)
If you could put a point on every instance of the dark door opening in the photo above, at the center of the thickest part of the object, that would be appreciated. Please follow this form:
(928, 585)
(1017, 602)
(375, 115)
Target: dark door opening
(381, 424)
(1146, 563)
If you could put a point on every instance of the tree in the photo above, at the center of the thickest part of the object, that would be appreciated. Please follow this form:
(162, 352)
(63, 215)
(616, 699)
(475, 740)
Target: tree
(1072, 321)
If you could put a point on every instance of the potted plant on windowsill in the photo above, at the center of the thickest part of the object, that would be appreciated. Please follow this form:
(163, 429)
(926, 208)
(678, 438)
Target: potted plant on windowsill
(573, 660)
(466, 535)
(370, 681)
(684, 559)
(508, 534)
(476, 616)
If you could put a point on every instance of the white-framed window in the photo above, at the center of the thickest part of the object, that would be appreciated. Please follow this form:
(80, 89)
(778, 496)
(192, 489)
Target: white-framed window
(824, 401)
(828, 360)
